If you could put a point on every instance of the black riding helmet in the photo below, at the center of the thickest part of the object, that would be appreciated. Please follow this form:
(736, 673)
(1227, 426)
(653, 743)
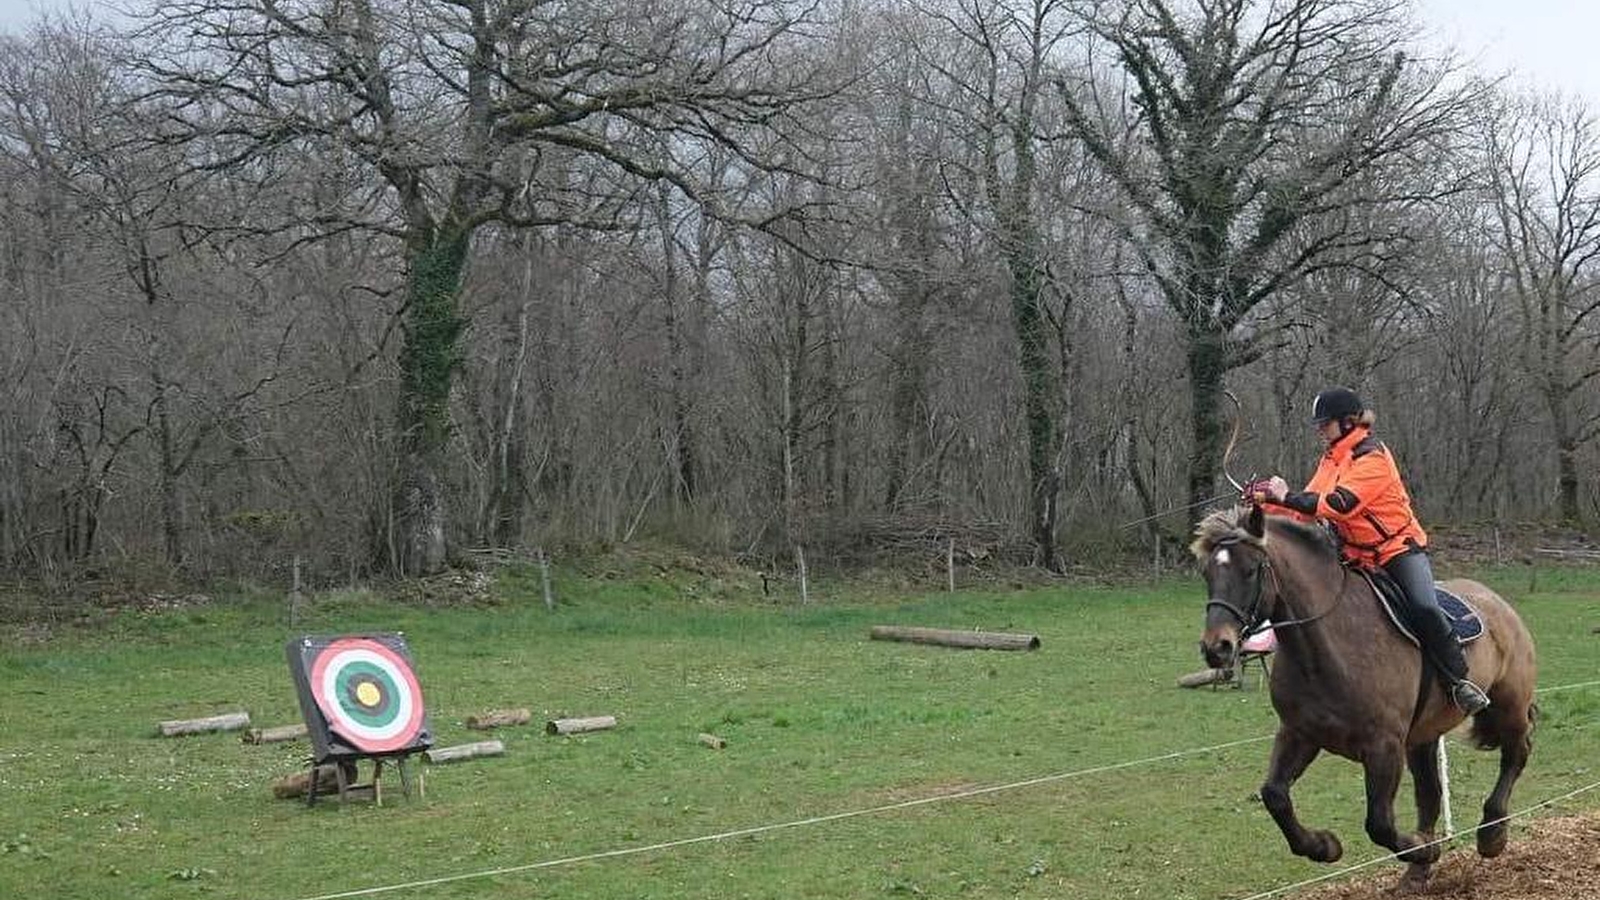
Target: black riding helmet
(1334, 404)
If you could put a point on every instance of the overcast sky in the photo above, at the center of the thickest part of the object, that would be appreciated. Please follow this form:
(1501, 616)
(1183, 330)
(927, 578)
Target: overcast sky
(1548, 42)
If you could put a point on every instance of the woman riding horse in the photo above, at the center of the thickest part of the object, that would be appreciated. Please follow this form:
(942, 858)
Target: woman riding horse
(1357, 488)
(1345, 681)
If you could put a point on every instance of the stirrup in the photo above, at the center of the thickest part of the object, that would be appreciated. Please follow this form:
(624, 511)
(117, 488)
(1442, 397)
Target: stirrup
(1468, 697)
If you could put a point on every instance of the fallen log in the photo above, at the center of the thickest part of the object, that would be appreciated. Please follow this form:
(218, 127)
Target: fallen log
(712, 741)
(1205, 677)
(297, 784)
(225, 722)
(494, 718)
(464, 751)
(578, 726)
(975, 640)
(274, 735)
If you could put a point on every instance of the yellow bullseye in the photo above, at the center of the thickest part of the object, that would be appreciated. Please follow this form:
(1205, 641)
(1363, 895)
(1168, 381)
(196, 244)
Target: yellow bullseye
(367, 694)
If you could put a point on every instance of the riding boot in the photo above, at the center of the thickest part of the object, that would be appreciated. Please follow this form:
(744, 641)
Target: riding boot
(1414, 574)
(1441, 646)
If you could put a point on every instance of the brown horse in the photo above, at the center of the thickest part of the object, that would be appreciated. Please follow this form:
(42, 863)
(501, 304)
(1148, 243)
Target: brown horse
(1344, 680)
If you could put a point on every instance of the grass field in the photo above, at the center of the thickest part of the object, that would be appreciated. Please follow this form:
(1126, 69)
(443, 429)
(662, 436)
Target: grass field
(819, 721)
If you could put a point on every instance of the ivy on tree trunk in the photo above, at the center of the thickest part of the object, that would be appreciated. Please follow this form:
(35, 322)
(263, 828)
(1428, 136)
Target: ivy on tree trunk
(428, 360)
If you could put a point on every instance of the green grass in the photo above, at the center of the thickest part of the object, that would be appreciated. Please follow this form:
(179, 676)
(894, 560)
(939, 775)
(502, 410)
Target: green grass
(818, 721)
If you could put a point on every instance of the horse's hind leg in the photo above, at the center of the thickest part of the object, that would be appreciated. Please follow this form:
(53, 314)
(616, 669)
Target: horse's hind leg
(1383, 769)
(1290, 756)
(1512, 727)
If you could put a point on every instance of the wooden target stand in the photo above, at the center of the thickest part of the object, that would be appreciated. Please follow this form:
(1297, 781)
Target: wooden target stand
(361, 699)
(346, 779)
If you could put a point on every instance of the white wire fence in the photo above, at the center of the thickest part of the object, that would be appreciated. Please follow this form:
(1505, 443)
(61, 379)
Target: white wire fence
(943, 798)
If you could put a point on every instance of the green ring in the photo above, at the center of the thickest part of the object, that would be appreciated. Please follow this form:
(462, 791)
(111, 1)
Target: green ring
(381, 716)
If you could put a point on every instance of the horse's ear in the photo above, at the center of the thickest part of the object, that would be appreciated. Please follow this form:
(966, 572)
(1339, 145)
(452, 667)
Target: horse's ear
(1256, 522)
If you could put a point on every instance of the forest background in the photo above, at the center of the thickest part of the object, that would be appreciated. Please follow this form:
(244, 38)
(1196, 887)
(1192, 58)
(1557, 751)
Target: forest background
(376, 285)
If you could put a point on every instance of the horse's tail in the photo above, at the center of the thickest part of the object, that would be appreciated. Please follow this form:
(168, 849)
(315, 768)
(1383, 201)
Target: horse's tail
(1486, 730)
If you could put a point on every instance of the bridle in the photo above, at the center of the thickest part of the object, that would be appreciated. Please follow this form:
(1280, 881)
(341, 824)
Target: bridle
(1252, 621)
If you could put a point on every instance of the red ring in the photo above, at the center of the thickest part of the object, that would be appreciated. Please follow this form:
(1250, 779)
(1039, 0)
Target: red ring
(414, 724)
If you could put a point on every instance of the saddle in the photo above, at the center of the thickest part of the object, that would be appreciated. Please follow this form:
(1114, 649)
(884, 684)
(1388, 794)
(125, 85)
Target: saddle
(1465, 623)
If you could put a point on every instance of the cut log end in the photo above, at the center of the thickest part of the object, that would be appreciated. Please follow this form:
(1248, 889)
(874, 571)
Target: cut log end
(579, 726)
(225, 722)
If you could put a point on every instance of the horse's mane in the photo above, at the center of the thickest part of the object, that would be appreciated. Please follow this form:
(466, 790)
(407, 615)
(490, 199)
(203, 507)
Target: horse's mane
(1224, 526)
(1228, 526)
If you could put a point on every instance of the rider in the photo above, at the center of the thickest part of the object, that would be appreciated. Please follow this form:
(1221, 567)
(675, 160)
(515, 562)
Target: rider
(1358, 489)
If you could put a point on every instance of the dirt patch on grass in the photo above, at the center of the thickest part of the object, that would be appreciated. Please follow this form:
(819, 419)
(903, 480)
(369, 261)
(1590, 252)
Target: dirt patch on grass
(1556, 859)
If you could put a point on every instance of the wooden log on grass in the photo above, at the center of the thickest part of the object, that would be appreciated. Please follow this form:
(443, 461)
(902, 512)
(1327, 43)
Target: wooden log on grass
(975, 640)
(297, 784)
(579, 726)
(494, 718)
(1205, 677)
(225, 722)
(712, 741)
(464, 751)
(274, 735)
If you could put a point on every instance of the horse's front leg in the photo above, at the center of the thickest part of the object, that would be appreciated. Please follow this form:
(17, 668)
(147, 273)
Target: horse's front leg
(1383, 768)
(1423, 761)
(1290, 756)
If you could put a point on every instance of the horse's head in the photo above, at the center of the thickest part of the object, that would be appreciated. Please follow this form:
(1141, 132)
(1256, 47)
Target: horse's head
(1231, 546)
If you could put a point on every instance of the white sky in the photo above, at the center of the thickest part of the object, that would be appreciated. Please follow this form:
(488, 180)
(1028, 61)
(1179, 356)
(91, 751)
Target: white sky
(16, 13)
(1550, 43)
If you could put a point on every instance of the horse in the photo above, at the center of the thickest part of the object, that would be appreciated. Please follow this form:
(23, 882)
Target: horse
(1346, 681)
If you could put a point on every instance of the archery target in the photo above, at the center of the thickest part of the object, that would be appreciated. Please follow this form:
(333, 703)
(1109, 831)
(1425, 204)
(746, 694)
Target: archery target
(360, 695)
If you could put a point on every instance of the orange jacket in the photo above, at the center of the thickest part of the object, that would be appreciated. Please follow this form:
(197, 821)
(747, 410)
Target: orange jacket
(1357, 487)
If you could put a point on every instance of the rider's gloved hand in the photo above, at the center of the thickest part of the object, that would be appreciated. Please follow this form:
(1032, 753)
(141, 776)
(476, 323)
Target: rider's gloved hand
(1263, 490)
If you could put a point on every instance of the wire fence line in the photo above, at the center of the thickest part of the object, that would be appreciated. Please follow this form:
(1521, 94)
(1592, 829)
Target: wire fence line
(916, 802)
(780, 826)
(1329, 876)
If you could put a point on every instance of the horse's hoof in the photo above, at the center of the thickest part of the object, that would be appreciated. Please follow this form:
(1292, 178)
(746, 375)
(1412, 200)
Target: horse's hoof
(1324, 847)
(1415, 880)
(1425, 854)
(1492, 840)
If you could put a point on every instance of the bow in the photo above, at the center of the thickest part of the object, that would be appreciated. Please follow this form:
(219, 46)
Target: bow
(1233, 439)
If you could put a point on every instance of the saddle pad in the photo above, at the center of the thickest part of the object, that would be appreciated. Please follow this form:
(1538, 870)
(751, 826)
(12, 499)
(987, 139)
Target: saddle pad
(1465, 622)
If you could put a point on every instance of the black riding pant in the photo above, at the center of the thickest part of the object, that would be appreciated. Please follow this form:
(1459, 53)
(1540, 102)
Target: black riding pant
(1414, 573)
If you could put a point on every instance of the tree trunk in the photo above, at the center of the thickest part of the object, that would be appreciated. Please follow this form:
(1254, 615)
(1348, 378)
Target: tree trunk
(680, 389)
(428, 359)
(1039, 402)
(171, 527)
(908, 396)
(1566, 452)
(503, 527)
(1206, 356)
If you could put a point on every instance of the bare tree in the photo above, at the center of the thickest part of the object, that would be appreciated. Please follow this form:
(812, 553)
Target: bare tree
(1543, 156)
(459, 109)
(1246, 139)
(997, 79)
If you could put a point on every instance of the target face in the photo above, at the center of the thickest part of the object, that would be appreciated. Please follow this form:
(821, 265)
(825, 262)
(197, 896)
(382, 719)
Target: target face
(360, 695)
